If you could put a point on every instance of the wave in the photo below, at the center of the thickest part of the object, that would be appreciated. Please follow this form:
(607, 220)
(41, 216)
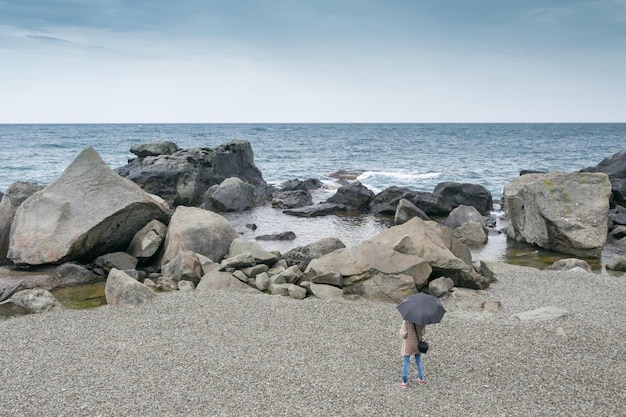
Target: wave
(402, 176)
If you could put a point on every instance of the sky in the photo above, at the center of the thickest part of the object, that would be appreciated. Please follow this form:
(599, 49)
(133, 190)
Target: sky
(318, 61)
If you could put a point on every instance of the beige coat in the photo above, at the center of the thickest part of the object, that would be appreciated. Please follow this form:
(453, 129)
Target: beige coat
(411, 333)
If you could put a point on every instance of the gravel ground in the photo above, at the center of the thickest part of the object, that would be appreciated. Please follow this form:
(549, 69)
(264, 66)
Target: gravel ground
(226, 354)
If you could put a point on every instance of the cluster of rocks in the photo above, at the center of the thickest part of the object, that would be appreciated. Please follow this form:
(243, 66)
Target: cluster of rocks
(154, 225)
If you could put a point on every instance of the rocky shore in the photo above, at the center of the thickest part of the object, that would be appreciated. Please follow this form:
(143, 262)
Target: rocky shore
(222, 353)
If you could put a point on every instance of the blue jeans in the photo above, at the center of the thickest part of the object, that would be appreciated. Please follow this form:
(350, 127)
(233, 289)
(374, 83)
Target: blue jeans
(405, 367)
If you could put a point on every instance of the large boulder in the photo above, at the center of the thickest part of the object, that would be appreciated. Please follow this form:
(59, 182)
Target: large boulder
(463, 214)
(224, 281)
(405, 210)
(256, 252)
(437, 245)
(14, 196)
(373, 270)
(86, 212)
(30, 301)
(292, 199)
(147, 241)
(456, 194)
(302, 255)
(232, 194)
(355, 196)
(181, 178)
(316, 210)
(563, 212)
(200, 231)
(123, 290)
(154, 149)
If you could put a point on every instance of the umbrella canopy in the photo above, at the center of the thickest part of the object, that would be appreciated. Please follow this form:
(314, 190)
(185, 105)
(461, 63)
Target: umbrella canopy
(422, 309)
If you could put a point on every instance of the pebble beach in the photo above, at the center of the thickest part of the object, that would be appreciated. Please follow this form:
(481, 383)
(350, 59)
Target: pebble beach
(205, 353)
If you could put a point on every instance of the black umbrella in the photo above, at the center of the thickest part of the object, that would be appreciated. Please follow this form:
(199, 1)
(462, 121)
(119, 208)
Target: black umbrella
(422, 309)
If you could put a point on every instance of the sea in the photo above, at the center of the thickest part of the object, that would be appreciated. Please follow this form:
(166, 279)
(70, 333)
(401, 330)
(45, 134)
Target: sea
(416, 156)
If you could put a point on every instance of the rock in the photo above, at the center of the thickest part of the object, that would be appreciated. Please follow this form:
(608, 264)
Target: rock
(71, 274)
(262, 281)
(290, 275)
(302, 255)
(278, 236)
(619, 191)
(88, 211)
(405, 211)
(542, 314)
(569, 264)
(436, 244)
(124, 291)
(373, 265)
(456, 194)
(9, 289)
(471, 234)
(182, 177)
(240, 276)
(30, 301)
(440, 286)
(241, 246)
(241, 260)
(255, 270)
(296, 292)
(617, 263)
(292, 199)
(14, 196)
(566, 213)
(147, 241)
(232, 194)
(118, 260)
(386, 202)
(185, 266)
(618, 233)
(332, 278)
(326, 292)
(280, 289)
(355, 196)
(224, 281)
(323, 209)
(342, 174)
(200, 231)
(463, 214)
(614, 166)
(184, 285)
(154, 149)
(296, 184)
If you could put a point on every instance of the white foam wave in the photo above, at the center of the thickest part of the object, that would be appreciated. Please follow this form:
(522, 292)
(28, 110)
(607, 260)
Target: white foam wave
(401, 176)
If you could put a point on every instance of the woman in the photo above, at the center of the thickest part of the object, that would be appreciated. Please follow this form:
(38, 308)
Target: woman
(411, 334)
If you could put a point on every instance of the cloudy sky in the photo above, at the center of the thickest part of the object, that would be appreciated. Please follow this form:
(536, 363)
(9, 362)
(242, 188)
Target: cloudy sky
(143, 61)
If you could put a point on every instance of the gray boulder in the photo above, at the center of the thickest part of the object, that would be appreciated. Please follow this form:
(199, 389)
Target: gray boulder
(437, 245)
(154, 149)
(440, 286)
(224, 281)
(326, 292)
(232, 194)
(563, 212)
(14, 196)
(70, 274)
(30, 301)
(456, 194)
(182, 177)
(617, 263)
(185, 266)
(471, 233)
(119, 260)
(569, 264)
(147, 241)
(86, 212)
(200, 231)
(406, 210)
(123, 290)
(463, 214)
(356, 196)
(373, 270)
(291, 199)
(296, 184)
(302, 255)
(241, 246)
